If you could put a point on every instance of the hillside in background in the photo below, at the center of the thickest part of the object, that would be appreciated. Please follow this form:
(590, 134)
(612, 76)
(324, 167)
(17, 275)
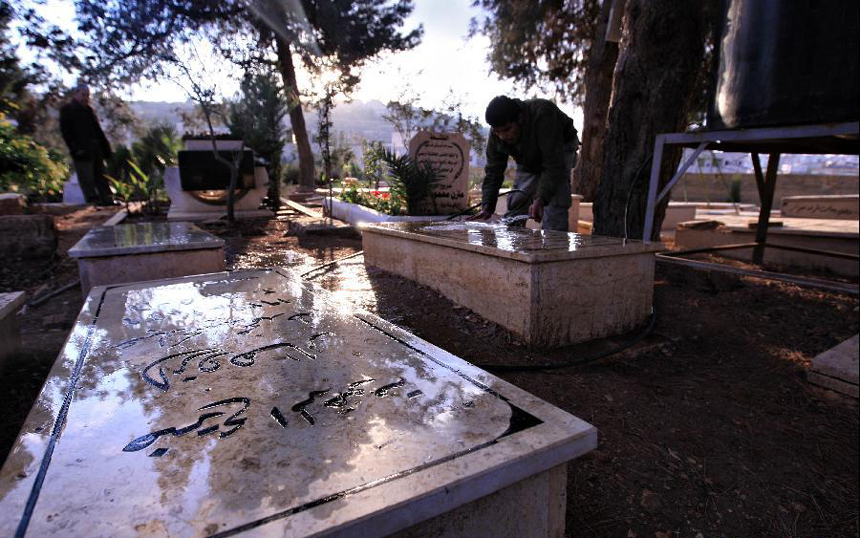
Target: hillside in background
(356, 119)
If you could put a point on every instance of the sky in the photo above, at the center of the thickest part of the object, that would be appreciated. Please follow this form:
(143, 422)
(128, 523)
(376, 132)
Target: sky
(445, 61)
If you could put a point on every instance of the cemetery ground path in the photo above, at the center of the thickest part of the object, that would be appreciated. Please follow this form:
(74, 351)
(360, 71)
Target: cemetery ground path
(708, 428)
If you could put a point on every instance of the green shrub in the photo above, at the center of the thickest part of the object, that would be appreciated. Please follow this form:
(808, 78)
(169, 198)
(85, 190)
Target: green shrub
(411, 181)
(27, 167)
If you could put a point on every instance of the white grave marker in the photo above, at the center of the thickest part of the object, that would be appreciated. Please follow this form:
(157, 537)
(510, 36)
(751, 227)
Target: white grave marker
(448, 153)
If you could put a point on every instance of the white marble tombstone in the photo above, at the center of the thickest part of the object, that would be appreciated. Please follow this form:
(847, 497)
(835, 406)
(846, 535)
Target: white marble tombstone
(251, 403)
(550, 288)
(190, 206)
(448, 153)
(145, 251)
(72, 193)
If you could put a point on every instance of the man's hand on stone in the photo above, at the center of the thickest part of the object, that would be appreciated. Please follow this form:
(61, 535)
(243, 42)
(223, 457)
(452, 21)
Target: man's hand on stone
(536, 210)
(482, 215)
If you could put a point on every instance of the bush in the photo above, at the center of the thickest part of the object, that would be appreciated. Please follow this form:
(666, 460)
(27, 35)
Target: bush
(413, 182)
(27, 167)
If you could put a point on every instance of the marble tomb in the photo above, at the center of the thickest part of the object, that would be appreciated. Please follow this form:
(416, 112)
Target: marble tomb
(550, 288)
(251, 403)
(145, 251)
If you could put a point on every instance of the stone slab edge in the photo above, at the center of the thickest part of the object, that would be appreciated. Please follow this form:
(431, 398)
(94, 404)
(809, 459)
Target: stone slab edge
(840, 362)
(207, 215)
(301, 208)
(358, 214)
(15, 301)
(833, 384)
(116, 219)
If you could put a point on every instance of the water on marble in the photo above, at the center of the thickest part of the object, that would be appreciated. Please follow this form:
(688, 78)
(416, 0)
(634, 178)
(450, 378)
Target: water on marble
(235, 398)
(142, 235)
(507, 238)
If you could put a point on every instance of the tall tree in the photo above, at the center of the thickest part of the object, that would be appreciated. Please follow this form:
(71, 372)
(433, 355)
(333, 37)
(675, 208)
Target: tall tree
(540, 43)
(655, 89)
(257, 116)
(602, 55)
(136, 38)
(564, 43)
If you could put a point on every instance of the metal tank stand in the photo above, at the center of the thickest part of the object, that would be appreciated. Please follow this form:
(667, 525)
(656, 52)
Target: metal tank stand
(833, 138)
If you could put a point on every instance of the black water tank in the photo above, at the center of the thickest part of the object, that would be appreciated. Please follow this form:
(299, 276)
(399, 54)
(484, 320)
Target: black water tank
(786, 62)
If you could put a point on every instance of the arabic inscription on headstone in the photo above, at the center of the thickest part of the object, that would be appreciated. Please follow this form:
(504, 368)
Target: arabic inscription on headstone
(448, 153)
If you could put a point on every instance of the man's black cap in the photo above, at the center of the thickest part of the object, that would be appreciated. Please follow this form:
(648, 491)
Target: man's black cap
(501, 111)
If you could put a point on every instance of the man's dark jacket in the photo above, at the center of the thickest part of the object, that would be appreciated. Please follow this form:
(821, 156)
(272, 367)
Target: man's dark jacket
(544, 131)
(82, 132)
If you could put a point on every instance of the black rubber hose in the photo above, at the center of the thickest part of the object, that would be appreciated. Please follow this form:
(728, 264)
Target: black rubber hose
(576, 362)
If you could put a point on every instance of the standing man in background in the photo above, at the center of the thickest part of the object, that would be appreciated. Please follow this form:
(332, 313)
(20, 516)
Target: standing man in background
(543, 142)
(87, 144)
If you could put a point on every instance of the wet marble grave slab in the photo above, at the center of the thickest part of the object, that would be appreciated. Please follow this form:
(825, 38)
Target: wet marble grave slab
(550, 288)
(142, 238)
(145, 251)
(251, 403)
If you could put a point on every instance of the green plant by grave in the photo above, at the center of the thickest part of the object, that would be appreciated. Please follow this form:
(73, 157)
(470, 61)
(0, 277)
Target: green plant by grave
(138, 186)
(413, 182)
(27, 167)
(374, 168)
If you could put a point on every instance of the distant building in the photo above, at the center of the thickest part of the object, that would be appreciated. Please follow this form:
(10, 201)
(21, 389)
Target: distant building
(717, 162)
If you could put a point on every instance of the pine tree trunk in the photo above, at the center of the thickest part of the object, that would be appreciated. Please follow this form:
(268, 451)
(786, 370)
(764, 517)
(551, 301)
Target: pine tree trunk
(602, 56)
(297, 117)
(661, 58)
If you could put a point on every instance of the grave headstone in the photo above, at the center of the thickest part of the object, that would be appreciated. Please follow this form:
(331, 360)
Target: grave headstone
(839, 207)
(448, 153)
(251, 403)
(72, 193)
(212, 204)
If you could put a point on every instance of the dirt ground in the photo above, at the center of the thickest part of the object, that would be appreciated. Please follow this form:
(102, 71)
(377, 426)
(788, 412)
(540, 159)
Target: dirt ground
(708, 428)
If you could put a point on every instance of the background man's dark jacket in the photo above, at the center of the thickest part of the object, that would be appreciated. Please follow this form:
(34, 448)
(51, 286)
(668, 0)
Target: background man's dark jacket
(544, 131)
(82, 132)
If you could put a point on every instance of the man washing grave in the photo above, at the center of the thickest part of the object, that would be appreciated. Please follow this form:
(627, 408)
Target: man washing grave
(543, 142)
(87, 144)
